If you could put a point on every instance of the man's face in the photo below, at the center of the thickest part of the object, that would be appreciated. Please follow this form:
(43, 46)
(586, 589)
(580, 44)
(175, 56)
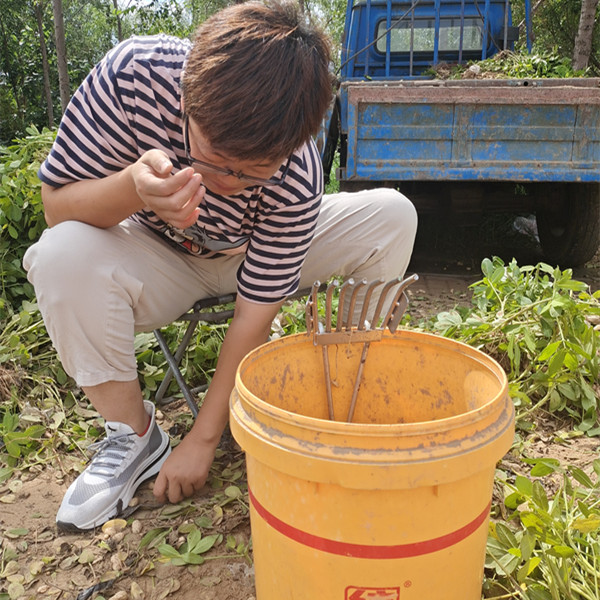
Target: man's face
(222, 174)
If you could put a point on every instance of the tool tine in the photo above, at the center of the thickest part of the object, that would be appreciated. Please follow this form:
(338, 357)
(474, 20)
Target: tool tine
(328, 390)
(363, 315)
(399, 310)
(352, 304)
(357, 383)
(343, 290)
(328, 304)
(315, 306)
(308, 315)
(384, 292)
(399, 304)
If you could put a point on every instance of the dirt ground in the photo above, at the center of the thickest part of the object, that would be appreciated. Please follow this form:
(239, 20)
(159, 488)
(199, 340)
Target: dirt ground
(122, 561)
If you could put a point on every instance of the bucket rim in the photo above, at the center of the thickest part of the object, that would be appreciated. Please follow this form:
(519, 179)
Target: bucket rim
(369, 429)
(382, 429)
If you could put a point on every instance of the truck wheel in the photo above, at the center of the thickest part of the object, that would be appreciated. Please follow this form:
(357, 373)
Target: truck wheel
(569, 224)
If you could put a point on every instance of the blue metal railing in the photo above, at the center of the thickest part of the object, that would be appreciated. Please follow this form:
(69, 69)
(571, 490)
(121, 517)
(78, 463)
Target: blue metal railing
(369, 21)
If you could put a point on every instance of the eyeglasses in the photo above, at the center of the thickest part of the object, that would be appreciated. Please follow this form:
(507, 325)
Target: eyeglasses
(209, 168)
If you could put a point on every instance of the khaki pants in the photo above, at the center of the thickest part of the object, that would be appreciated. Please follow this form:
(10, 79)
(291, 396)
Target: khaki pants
(97, 287)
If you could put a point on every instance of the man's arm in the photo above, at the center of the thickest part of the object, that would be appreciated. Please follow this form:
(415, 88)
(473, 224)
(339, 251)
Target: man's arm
(186, 469)
(149, 182)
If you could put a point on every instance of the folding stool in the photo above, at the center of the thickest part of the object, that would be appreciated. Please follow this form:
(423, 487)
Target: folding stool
(203, 311)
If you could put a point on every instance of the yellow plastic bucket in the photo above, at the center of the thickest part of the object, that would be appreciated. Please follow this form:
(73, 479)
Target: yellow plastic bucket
(393, 506)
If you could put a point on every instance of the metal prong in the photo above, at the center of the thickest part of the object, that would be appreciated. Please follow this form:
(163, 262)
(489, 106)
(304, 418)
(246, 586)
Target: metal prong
(352, 304)
(314, 306)
(357, 381)
(328, 303)
(328, 309)
(398, 306)
(343, 289)
(399, 310)
(384, 292)
(308, 316)
(367, 300)
(328, 382)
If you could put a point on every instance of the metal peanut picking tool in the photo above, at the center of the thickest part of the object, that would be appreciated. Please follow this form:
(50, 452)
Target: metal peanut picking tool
(346, 331)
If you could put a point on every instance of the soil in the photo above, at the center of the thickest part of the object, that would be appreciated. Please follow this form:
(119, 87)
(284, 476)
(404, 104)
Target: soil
(121, 562)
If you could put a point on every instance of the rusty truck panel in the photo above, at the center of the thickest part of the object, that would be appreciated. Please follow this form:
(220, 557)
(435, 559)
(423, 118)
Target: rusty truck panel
(502, 130)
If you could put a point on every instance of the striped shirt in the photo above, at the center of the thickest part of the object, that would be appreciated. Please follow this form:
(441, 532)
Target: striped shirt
(131, 103)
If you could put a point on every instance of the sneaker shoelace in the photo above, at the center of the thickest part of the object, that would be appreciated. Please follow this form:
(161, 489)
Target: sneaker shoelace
(110, 453)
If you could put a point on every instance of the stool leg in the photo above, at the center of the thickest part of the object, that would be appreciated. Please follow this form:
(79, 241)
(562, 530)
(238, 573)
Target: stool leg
(173, 371)
(185, 340)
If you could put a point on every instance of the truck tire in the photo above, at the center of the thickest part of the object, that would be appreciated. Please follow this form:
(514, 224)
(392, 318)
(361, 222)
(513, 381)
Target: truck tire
(569, 224)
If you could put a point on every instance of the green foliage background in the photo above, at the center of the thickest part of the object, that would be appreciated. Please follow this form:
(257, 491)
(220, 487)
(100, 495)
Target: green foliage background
(537, 321)
(91, 29)
(92, 25)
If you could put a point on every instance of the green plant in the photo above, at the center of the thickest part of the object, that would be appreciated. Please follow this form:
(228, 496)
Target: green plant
(198, 362)
(538, 64)
(549, 548)
(21, 211)
(191, 551)
(535, 320)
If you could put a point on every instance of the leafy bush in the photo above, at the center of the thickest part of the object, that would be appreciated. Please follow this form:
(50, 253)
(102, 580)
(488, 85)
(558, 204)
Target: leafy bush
(21, 211)
(540, 64)
(548, 548)
(514, 65)
(538, 323)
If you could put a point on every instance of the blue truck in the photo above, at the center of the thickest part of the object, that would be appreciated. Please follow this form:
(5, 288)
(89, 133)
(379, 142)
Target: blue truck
(524, 145)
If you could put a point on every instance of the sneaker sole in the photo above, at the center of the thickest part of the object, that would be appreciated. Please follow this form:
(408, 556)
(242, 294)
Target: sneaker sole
(124, 498)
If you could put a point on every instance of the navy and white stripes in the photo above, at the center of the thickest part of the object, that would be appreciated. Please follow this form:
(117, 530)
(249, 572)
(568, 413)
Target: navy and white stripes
(131, 103)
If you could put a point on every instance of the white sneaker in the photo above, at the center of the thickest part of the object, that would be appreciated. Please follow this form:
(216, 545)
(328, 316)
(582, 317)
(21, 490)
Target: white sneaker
(123, 461)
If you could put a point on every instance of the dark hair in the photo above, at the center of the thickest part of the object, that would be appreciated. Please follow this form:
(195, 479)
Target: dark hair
(257, 80)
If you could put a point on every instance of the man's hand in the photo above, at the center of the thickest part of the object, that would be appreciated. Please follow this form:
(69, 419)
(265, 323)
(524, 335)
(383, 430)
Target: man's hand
(185, 471)
(173, 197)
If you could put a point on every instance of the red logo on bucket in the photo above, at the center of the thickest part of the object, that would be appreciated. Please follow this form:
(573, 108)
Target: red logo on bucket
(370, 593)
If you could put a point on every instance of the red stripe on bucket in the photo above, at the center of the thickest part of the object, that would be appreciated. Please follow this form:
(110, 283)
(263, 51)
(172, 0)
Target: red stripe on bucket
(366, 551)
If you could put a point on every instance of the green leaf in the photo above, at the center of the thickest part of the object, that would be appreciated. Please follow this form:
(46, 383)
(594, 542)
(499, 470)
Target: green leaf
(557, 402)
(581, 476)
(233, 491)
(168, 551)
(449, 319)
(17, 532)
(157, 534)
(506, 536)
(528, 568)
(487, 267)
(513, 500)
(588, 525)
(548, 351)
(5, 473)
(13, 448)
(590, 418)
(205, 544)
(524, 485)
(539, 495)
(542, 466)
(191, 558)
(556, 362)
(193, 539)
(561, 551)
(204, 522)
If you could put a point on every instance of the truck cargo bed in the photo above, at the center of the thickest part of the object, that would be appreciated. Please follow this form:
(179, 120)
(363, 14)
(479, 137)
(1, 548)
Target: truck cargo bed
(521, 130)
